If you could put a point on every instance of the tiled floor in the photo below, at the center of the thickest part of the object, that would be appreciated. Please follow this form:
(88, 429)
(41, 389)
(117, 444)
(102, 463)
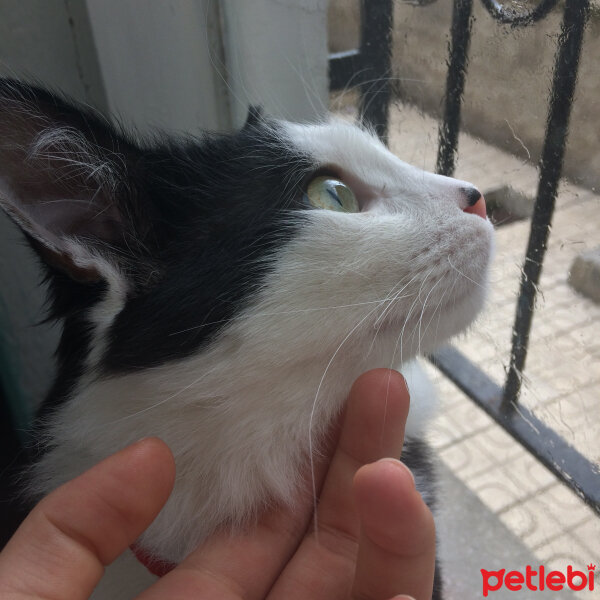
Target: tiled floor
(498, 491)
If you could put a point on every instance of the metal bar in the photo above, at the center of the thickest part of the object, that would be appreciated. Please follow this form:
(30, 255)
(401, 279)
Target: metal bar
(458, 51)
(570, 466)
(376, 61)
(344, 70)
(551, 162)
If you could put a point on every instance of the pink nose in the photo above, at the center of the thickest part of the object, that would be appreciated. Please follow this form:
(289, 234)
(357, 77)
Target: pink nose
(478, 208)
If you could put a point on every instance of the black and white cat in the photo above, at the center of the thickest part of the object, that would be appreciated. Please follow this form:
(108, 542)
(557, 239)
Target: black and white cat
(223, 293)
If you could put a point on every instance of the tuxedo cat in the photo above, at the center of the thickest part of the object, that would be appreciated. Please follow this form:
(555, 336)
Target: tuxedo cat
(223, 292)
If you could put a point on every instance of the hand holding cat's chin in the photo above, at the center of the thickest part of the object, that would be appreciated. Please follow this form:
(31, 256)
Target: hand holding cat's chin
(86, 523)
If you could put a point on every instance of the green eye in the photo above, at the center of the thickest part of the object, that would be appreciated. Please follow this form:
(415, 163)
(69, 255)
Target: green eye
(331, 194)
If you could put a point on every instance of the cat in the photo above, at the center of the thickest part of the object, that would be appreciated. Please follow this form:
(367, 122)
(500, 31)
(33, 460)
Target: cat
(223, 292)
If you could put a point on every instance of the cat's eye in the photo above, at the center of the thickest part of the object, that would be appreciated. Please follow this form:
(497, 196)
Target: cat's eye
(331, 194)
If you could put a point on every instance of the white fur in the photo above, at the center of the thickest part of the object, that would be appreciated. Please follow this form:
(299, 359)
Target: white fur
(69, 148)
(350, 292)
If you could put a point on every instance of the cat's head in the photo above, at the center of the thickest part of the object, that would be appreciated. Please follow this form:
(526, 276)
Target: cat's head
(223, 292)
(299, 241)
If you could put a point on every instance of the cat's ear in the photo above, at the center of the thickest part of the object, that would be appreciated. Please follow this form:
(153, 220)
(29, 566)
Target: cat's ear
(255, 116)
(63, 177)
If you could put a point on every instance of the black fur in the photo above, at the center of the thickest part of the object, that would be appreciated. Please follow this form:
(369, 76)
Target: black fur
(201, 191)
(416, 455)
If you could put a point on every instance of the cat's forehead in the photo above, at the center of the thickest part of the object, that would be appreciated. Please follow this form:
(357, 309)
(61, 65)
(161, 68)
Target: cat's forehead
(365, 162)
(353, 150)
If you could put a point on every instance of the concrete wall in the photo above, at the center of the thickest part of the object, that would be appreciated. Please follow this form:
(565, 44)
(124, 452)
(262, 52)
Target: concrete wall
(508, 81)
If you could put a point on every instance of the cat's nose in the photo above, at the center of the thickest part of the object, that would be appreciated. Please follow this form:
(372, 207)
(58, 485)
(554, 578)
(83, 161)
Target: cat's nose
(475, 202)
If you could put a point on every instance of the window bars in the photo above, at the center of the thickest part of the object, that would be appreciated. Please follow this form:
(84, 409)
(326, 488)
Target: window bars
(369, 68)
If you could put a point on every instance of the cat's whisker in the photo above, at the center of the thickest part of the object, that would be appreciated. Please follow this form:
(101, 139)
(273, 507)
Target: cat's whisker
(382, 323)
(396, 296)
(307, 86)
(312, 415)
(465, 276)
(392, 296)
(246, 317)
(390, 300)
(437, 308)
(165, 400)
(400, 340)
(420, 337)
(388, 308)
(275, 296)
(392, 362)
(351, 85)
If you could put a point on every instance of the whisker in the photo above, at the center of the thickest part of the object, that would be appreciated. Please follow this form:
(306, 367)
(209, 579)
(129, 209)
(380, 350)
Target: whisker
(165, 400)
(279, 312)
(312, 415)
(420, 338)
(465, 276)
(401, 337)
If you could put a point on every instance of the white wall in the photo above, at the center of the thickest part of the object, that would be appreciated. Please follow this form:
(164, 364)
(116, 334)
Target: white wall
(276, 52)
(49, 41)
(159, 63)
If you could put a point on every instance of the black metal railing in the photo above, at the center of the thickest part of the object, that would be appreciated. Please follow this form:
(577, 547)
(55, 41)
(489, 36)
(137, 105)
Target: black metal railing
(369, 68)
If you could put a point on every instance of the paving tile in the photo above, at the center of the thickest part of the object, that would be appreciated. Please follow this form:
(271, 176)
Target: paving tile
(469, 418)
(530, 473)
(478, 348)
(538, 389)
(497, 489)
(567, 371)
(499, 442)
(567, 504)
(532, 523)
(587, 336)
(442, 434)
(468, 458)
(566, 550)
(588, 535)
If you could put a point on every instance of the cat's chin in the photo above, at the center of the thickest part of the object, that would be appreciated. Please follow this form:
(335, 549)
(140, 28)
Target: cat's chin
(427, 331)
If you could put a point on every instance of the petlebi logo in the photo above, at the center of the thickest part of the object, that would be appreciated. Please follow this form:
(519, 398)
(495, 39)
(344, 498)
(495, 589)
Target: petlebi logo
(538, 579)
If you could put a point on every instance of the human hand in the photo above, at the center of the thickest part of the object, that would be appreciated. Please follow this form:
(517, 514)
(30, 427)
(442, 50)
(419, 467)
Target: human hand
(374, 538)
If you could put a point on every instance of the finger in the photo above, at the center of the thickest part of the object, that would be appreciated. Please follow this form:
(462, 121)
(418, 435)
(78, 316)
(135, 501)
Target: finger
(373, 428)
(61, 549)
(397, 541)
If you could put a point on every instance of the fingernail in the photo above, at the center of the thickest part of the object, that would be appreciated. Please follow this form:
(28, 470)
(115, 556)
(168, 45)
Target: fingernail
(402, 597)
(399, 464)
